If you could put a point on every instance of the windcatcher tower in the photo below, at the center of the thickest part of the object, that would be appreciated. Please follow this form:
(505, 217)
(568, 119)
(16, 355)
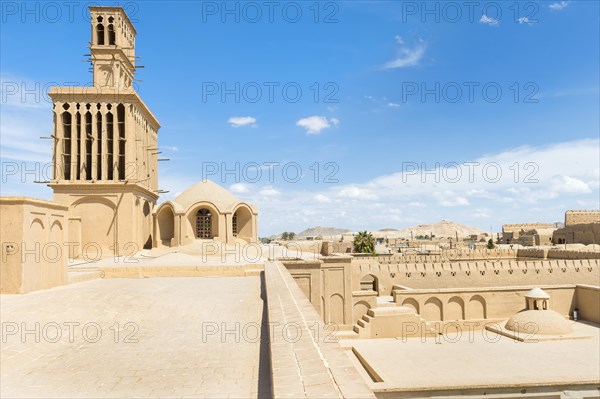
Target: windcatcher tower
(106, 146)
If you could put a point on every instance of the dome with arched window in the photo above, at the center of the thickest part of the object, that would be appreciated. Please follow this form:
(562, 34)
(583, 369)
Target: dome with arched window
(205, 211)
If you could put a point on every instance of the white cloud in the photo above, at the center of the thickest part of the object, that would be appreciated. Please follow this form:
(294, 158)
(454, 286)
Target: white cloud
(449, 198)
(314, 124)
(541, 191)
(239, 121)
(488, 21)
(482, 213)
(239, 188)
(399, 39)
(525, 20)
(393, 105)
(407, 56)
(570, 185)
(323, 199)
(558, 5)
(170, 148)
(269, 191)
(355, 192)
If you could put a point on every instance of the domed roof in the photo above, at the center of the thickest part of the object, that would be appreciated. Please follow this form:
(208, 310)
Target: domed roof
(537, 293)
(208, 191)
(543, 322)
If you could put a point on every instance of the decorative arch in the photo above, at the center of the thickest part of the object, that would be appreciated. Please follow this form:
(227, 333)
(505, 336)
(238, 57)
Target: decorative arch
(165, 219)
(477, 307)
(370, 282)
(213, 224)
(336, 309)
(432, 310)
(411, 303)
(100, 35)
(112, 37)
(147, 225)
(204, 223)
(242, 223)
(98, 222)
(37, 221)
(455, 310)
(359, 309)
(37, 233)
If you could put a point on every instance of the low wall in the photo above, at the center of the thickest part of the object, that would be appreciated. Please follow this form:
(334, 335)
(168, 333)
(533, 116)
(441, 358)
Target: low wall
(562, 254)
(532, 253)
(131, 271)
(448, 255)
(306, 361)
(501, 273)
(587, 299)
(33, 251)
(480, 303)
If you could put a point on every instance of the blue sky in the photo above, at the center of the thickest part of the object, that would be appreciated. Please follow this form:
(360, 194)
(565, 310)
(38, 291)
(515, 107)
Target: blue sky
(507, 87)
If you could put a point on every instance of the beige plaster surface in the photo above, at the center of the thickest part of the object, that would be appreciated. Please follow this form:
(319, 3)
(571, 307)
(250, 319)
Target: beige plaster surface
(412, 364)
(170, 358)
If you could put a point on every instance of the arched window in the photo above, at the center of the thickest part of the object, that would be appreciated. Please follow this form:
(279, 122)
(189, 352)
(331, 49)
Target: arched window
(111, 35)
(234, 226)
(369, 283)
(204, 224)
(100, 34)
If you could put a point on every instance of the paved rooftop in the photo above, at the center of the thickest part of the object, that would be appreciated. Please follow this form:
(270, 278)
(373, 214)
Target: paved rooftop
(485, 359)
(135, 338)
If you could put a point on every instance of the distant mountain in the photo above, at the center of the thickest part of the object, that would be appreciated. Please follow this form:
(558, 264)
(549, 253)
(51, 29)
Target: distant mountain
(445, 228)
(321, 231)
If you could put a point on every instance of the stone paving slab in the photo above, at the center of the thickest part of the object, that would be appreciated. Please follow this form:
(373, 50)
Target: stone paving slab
(481, 358)
(119, 338)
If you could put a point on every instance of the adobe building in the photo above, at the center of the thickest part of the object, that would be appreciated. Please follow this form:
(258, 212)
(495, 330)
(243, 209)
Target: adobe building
(106, 145)
(105, 178)
(581, 227)
(205, 211)
(527, 234)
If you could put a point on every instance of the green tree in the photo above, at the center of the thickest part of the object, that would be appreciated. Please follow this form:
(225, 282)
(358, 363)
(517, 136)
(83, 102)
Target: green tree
(490, 244)
(364, 243)
(285, 236)
(291, 235)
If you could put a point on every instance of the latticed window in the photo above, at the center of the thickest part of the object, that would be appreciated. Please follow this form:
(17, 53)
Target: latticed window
(234, 224)
(203, 224)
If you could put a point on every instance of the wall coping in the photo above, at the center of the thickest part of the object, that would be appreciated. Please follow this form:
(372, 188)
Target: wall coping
(588, 287)
(313, 364)
(32, 201)
(408, 291)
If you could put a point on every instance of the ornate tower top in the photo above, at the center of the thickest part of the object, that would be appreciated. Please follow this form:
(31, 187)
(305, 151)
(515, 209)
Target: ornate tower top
(105, 134)
(112, 47)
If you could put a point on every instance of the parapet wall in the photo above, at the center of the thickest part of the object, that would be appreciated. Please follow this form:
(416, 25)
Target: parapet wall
(480, 303)
(476, 274)
(587, 298)
(33, 234)
(581, 217)
(306, 359)
(555, 253)
(447, 255)
(515, 227)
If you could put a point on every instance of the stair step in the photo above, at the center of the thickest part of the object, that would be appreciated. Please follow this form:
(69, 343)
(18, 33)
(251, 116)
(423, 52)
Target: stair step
(390, 310)
(356, 328)
(361, 323)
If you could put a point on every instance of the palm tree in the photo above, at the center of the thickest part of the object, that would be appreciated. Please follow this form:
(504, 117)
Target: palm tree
(364, 243)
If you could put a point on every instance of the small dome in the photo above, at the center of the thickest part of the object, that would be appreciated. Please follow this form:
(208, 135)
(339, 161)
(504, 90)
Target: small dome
(537, 293)
(206, 190)
(547, 322)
